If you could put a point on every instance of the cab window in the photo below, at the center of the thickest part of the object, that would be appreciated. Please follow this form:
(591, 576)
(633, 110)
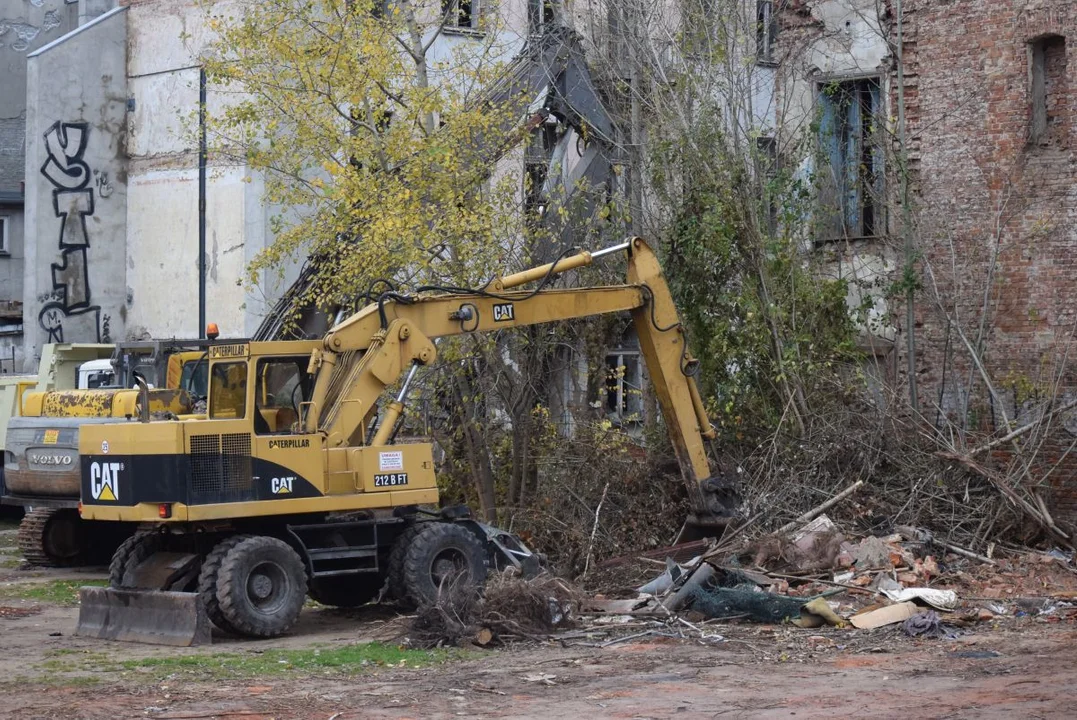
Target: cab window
(282, 385)
(228, 390)
(193, 377)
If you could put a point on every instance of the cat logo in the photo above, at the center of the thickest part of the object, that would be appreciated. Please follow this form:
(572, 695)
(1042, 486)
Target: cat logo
(105, 481)
(503, 312)
(282, 485)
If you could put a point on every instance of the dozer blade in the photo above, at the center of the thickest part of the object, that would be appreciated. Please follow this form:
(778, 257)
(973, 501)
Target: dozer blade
(147, 616)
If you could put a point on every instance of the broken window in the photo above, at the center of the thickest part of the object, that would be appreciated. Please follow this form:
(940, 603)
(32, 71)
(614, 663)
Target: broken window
(539, 16)
(1048, 88)
(624, 386)
(463, 14)
(766, 31)
(852, 163)
(624, 380)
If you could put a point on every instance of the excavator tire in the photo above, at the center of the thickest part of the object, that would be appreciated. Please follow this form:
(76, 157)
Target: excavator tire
(52, 537)
(129, 555)
(397, 588)
(261, 587)
(207, 581)
(345, 591)
(441, 555)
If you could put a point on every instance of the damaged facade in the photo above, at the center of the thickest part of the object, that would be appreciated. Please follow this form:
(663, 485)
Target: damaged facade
(977, 190)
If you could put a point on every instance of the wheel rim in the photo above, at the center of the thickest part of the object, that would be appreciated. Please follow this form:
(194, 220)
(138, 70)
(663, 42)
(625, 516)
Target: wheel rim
(267, 587)
(447, 566)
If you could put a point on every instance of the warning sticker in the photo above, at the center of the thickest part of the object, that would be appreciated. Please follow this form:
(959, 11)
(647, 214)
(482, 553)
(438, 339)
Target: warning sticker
(388, 461)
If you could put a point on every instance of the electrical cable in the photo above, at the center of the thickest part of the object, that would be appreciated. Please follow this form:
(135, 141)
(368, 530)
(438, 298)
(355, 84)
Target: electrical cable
(688, 368)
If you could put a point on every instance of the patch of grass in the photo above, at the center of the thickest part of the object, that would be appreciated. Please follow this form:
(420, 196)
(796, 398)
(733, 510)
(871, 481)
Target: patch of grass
(346, 659)
(55, 592)
(11, 563)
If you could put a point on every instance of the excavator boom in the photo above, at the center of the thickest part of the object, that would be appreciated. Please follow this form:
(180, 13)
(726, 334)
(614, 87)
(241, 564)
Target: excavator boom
(371, 350)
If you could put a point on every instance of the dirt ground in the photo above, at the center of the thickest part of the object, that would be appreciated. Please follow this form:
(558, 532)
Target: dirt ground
(1012, 667)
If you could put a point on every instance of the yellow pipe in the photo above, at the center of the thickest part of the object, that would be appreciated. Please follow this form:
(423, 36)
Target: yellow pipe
(385, 430)
(705, 428)
(563, 265)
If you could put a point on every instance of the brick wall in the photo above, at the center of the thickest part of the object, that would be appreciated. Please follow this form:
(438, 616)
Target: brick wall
(12, 141)
(986, 182)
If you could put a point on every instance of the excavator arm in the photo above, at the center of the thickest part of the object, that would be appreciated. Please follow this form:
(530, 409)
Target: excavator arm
(373, 349)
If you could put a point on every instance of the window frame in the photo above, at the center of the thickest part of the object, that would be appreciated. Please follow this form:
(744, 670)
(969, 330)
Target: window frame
(766, 32)
(5, 230)
(1040, 125)
(474, 14)
(828, 232)
(300, 362)
(622, 414)
(537, 20)
(211, 406)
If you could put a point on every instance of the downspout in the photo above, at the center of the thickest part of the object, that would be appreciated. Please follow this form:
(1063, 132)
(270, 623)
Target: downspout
(906, 213)
(202, 203)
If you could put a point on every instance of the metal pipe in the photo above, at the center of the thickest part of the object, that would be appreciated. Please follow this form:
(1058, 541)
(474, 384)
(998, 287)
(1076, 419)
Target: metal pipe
(143, 398)
(402, 395)
(202, 203)
(387, 428)
(610, 250)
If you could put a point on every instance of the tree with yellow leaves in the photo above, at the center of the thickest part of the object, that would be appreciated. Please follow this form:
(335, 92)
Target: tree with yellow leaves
(371, 135)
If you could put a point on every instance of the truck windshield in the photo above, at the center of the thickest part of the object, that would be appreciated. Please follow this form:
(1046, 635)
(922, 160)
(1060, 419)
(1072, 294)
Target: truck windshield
(99, 379)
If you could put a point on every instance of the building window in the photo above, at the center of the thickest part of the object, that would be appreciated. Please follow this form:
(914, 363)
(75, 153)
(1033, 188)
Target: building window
(461, 14)
(536, 168)
(852, 162)
(539, 16)
(5, 228)
(767, 147)
(766, 31)
(624, 386)
(1048, 88)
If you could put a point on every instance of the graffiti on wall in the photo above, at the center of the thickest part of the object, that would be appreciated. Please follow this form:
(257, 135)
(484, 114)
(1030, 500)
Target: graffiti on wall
(68, 315)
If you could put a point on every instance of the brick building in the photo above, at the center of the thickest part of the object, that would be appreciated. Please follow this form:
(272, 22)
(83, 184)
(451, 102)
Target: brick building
(990, 106)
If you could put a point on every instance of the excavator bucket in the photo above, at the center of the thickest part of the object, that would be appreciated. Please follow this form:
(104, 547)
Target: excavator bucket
(147, 616)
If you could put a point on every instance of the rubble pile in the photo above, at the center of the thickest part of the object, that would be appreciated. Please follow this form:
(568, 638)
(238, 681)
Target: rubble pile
(811, 573)
(816, 575)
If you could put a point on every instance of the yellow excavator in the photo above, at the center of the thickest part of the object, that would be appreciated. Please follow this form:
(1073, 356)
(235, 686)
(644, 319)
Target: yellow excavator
(292, 485)
(41, 462)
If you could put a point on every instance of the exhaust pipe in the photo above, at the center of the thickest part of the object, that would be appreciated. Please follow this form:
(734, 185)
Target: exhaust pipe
(143, 397)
